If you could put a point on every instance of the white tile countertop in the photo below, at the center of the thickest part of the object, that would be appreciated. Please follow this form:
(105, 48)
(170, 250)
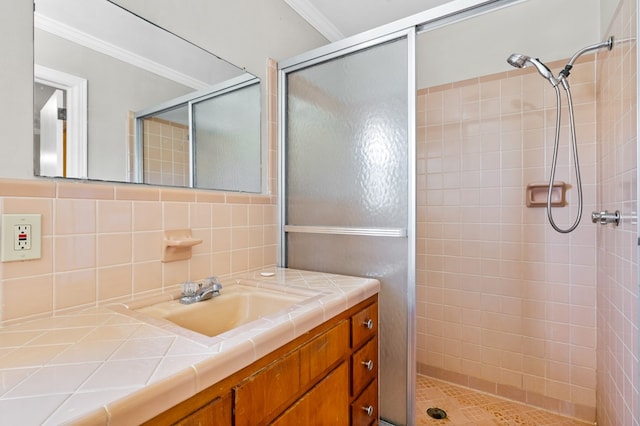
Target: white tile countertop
(109, 365)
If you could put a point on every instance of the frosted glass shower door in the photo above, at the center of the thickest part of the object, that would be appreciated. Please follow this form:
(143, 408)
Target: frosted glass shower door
(347, 177)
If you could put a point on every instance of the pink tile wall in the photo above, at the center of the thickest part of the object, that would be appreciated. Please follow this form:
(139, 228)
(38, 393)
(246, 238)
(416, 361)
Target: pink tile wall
(103, 242)
(166, 152)
(504, 303)
(617, 296)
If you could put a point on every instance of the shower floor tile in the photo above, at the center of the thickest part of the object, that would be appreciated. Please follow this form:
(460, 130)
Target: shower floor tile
(469, 407)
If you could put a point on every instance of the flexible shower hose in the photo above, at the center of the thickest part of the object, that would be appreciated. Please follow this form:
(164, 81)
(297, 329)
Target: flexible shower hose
(574, 148)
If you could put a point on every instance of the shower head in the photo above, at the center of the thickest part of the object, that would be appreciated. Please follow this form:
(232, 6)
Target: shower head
(522, 61)
(517, 60)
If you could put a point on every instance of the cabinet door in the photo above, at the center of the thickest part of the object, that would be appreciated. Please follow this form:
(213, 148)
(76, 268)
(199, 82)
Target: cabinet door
(317, 356)
(215, 413)
(258, 398)
(327, 403)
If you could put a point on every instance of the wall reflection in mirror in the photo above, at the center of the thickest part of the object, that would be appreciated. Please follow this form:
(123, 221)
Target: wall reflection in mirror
(117, 98)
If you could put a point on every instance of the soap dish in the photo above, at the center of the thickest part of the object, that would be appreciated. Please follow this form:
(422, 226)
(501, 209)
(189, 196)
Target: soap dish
(537, 194)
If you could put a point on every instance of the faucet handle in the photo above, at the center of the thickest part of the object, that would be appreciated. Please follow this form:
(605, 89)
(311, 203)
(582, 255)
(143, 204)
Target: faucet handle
(213, 282)
(189, 288)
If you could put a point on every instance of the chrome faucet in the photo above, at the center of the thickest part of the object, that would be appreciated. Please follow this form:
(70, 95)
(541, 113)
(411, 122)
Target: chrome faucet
(191, 294)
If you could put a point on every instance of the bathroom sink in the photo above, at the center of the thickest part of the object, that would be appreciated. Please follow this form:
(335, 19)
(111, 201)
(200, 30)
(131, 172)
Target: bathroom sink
(236, 305)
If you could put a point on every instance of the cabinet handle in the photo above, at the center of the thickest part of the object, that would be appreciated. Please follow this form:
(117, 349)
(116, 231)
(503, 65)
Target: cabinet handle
(368, 409)
(368, 324)
(368, 364)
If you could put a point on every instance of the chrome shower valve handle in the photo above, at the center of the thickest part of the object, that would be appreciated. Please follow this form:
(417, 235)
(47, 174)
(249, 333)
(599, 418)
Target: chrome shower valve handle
(604, 217)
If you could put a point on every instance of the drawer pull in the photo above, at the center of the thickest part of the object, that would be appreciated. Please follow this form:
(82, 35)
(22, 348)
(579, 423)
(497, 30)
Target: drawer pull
(368, 409)
(368, 364)
(368, 324)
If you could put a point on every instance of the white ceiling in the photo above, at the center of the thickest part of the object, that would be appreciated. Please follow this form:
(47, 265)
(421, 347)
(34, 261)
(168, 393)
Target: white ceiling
(337, 19)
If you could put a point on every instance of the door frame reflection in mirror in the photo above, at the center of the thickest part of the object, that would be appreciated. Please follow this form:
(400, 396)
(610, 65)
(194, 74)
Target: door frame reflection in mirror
(75, 89)
(189, 101)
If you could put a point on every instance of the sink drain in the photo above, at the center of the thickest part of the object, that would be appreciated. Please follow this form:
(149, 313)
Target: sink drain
(437, 413)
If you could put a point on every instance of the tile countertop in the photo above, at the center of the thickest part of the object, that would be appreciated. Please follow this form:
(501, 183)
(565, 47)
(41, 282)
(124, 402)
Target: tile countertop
(108, 365)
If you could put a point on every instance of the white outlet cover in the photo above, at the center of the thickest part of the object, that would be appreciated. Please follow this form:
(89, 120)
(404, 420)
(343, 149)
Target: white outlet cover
(9, 222)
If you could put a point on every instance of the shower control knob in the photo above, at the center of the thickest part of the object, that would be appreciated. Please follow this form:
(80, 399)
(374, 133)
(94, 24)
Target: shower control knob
(604, 217)
(368, 409)
(368, 324)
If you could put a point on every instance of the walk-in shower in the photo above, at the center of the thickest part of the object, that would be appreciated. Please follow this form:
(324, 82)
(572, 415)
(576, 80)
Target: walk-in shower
(522, 61)
(465, 292)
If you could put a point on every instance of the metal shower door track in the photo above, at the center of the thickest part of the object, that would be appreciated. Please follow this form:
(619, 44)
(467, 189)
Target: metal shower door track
(447, 13)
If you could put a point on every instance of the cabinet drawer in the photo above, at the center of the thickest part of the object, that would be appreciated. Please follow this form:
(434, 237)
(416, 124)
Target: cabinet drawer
(364, 410)
(364, 324)
(364, 366)
(323, 352)
(258, 398)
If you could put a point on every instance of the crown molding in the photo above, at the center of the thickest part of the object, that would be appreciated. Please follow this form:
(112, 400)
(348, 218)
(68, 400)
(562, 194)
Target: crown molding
(79, 37)
(313, 16)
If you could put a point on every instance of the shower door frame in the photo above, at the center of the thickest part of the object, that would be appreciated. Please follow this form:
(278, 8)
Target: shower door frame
(339, 50)
(409, 27)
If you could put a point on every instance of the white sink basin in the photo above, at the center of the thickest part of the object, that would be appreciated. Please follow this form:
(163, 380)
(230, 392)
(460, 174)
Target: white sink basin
(236, 305)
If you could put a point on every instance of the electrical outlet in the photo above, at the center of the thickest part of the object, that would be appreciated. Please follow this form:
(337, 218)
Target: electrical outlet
(21, 237)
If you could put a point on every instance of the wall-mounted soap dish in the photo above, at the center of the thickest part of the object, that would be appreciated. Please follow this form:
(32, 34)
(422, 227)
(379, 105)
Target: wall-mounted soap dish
(178, 244)
(537, 194)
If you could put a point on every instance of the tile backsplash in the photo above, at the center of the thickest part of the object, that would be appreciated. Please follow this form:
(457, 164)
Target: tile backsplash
(103, 242)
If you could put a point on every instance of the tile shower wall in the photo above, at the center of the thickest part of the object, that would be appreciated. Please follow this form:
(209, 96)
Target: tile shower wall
(617, 296)
(166, 152)
(504, 303)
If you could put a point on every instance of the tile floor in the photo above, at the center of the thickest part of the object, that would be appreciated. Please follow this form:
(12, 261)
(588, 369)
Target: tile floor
(469, 407)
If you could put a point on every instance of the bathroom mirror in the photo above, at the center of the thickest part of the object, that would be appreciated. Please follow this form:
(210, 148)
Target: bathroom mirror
(97, 66)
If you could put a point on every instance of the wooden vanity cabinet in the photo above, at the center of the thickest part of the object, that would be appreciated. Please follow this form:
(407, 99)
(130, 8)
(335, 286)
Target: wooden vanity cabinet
(327, 376)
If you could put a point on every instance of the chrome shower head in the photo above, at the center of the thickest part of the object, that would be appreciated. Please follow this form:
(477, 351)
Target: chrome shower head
(522, 61)
(517, 60)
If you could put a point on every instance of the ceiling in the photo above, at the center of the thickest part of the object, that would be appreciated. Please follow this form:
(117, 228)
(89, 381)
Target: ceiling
(337, 19)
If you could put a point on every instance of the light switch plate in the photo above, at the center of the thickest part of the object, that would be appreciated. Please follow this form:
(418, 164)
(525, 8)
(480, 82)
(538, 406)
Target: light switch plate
(21, 237)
